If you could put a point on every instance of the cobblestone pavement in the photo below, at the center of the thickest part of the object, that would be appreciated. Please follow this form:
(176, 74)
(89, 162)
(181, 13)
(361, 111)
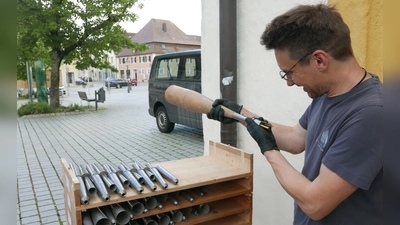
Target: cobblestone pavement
(121, 130)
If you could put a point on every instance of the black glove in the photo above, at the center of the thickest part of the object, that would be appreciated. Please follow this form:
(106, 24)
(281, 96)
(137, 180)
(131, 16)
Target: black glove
(264, 137)
(217, 113)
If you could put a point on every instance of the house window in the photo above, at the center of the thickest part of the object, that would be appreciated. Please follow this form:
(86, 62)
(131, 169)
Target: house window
(140, 59)
(119, 60)
(163, 46)
(134, 59)
(131, 59)
(149, 58)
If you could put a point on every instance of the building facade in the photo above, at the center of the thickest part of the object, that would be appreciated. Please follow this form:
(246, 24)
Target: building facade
(161, 36)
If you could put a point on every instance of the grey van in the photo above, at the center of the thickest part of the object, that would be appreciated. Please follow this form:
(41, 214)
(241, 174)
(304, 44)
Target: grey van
(179, 68)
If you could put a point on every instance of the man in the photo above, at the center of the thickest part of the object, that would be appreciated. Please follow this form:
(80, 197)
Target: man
(341, 131)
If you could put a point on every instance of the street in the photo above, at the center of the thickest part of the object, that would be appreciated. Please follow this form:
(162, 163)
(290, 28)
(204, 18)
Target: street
(121, 130)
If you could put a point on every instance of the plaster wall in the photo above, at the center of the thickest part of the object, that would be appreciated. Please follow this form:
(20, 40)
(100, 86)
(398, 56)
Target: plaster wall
(260, 89)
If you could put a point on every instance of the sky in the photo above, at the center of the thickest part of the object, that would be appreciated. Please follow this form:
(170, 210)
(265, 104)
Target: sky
(185, 14)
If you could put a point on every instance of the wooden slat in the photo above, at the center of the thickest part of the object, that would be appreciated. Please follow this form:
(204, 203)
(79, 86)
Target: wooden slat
(71, 194)
(238, 219)
(231, 155)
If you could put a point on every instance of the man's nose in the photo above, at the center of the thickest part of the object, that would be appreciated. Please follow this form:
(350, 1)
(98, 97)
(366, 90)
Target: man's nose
(289, 82)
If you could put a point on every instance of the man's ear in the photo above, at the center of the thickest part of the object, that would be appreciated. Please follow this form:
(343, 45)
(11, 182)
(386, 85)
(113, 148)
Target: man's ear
(320, 59)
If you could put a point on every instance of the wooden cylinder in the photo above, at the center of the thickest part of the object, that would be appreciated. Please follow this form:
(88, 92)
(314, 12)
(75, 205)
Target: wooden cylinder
(191, 100)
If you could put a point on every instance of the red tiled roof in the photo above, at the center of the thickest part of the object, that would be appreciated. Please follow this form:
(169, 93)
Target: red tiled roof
(160, 31)
(130, 35)
(164, 31)
(125, 52)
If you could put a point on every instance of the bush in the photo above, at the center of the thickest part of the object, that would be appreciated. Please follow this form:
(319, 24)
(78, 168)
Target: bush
(73, 108)
(43, 108)
(26, 109)
(34, 108)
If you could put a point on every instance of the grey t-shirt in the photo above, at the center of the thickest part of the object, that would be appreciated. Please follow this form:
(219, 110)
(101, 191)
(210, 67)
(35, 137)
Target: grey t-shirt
(345, 133)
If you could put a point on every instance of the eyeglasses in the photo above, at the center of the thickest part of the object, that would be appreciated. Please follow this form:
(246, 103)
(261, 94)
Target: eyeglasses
(284, 74)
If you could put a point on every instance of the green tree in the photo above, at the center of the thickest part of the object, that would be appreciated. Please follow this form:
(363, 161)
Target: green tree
(72, 31)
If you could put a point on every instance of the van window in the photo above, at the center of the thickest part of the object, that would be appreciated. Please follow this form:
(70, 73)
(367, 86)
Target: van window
(192, 69)
(167, 69)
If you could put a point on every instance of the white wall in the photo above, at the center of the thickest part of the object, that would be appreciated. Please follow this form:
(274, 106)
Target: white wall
(260, 89)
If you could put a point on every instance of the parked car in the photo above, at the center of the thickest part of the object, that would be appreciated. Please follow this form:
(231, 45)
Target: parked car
(117, 83)
(61, 90)
(179, 68)
(86, 78)
(19, 92)
(133, 82)
(79, 81)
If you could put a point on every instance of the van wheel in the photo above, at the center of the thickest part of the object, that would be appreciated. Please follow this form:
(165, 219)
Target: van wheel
(163, 123)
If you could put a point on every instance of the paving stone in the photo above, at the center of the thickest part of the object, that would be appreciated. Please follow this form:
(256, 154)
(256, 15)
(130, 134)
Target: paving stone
(27, 205)
(46, 207)
(30, 220)
(48, 213)
(42, 203)
(50, 220)
(30, 213)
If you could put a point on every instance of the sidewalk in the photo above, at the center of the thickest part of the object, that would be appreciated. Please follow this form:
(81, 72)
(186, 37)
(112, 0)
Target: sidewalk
(121, 130)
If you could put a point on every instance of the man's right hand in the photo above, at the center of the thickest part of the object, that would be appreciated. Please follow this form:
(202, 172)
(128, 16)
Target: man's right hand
(217, 113)
(264, 137)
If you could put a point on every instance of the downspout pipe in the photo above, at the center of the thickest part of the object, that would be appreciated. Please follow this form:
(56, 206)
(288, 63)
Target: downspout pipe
(228, 63)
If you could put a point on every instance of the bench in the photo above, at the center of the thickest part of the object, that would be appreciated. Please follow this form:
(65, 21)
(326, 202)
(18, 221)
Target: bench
(83, 97)
(100, 96)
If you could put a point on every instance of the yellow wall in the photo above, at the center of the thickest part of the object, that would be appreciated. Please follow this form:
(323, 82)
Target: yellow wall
(365, 19)
(391, 44)
(24, 83)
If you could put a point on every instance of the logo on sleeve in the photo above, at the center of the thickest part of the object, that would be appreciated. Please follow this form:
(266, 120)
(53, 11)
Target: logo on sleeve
(323, 139)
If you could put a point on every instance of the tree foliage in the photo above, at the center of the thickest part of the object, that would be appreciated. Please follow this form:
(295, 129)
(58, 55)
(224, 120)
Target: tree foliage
(72, 31)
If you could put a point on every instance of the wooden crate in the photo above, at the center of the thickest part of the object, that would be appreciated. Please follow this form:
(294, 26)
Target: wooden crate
(227, 171)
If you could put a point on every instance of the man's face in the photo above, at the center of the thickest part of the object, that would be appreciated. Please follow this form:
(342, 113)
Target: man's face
(299, 75)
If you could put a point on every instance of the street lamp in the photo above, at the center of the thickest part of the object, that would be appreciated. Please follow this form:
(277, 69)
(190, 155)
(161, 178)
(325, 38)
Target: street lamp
(127, 68)
(128, 74)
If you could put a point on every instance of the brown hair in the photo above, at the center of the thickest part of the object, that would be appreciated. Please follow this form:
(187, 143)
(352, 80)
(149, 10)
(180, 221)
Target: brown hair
(307, 28)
